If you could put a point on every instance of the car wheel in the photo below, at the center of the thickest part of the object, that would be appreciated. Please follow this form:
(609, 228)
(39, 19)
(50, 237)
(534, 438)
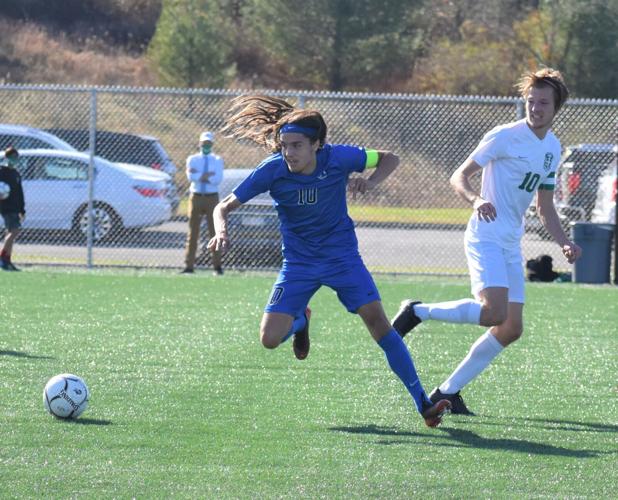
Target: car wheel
(106, 223)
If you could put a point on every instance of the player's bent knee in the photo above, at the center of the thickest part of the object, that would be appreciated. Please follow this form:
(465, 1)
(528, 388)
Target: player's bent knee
(269, 340)
(493, 316)
(269, 343)
(508, 333)
(515, 333)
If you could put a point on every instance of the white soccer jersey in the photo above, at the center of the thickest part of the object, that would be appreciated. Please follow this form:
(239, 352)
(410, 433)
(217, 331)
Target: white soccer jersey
(515, 164)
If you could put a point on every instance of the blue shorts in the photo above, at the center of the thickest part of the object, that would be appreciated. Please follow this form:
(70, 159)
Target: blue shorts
(297, 283)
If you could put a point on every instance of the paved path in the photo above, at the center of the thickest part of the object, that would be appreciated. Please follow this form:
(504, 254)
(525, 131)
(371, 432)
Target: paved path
(383, 249)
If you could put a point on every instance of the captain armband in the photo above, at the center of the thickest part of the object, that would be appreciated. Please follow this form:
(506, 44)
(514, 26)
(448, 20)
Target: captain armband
(373, 158)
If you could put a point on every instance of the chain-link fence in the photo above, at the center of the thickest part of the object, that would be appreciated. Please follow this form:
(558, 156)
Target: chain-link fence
(413, 222)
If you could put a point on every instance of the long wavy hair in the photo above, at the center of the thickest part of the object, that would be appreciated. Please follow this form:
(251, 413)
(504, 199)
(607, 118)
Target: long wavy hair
(259, 118)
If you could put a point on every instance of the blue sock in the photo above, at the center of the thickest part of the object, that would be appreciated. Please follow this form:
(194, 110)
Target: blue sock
(401, 363)
(298, 324)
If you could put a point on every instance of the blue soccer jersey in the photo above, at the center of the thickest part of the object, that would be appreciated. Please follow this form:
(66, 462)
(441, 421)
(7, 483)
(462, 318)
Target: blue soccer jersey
(312, 209)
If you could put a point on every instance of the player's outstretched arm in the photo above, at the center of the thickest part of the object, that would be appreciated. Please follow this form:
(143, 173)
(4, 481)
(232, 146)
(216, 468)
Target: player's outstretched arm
(386, 165)
(546, 211)
(220, 240)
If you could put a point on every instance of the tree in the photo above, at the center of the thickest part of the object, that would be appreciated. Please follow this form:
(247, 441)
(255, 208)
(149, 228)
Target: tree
(541, 39)
(476, 64)
(192, 46)
(470, 47)
(481, 47)
(592, 59)
(579, 38)
(340, 44)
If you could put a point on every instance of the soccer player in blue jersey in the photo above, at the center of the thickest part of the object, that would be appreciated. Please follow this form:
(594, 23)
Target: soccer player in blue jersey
(307, 179)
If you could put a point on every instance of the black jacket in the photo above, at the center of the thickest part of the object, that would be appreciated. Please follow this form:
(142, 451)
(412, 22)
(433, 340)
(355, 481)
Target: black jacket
(15, 203)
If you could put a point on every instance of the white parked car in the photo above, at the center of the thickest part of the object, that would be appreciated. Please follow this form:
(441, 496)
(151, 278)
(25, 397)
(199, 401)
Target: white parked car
(25, 137)
(56, 191)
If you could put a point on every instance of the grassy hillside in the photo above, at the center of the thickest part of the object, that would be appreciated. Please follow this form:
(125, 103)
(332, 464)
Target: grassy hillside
(31, 53)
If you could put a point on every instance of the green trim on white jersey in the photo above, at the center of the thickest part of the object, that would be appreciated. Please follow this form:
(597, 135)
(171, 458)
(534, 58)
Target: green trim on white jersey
(550, 182)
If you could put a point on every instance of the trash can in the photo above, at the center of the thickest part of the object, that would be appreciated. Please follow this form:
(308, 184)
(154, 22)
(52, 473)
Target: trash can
(595, 241)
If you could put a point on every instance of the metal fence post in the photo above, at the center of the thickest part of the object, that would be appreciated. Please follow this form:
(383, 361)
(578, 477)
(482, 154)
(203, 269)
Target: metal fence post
(520, 110)
(616, 213)
(91, 174)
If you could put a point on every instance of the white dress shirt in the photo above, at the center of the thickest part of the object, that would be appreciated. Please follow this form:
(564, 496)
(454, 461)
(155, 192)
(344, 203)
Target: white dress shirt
(197, 165)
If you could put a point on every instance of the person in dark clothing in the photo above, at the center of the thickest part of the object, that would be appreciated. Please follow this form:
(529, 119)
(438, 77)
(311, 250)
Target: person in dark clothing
(12, 208)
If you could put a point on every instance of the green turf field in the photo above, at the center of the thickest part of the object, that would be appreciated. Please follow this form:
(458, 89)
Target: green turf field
(187, 404)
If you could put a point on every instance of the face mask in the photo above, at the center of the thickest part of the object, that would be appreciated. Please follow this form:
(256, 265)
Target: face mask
(206, 149)
(12, 162)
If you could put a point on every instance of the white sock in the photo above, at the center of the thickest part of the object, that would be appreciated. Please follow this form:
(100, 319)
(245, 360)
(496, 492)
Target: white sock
(482, 352)
(455, 311)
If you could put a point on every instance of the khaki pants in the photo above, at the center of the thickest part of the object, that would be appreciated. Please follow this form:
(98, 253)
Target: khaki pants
(200, 205)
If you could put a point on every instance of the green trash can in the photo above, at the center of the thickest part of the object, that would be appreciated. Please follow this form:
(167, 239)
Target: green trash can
(595, 241)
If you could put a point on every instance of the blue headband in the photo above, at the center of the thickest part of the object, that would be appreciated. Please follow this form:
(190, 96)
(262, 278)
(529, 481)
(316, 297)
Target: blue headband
(292, 128)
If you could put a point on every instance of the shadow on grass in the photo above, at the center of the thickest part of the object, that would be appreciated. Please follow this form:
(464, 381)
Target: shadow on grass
(469, 439)
(377, 431)
(91, 421)
(554, 424)
(472, 440)
(19, 354)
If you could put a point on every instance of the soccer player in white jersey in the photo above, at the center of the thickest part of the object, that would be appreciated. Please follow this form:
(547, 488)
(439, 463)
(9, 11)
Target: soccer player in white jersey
(517, 160)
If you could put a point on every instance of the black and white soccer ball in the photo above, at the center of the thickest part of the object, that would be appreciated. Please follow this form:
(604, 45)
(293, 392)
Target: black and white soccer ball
(66, 396)
(5, 190)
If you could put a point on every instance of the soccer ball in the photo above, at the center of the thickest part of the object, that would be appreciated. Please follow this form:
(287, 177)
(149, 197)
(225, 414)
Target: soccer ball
(66, 396)
(5, 190)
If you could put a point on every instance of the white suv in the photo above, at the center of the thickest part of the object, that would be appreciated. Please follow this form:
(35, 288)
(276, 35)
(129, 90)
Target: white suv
(23, 137)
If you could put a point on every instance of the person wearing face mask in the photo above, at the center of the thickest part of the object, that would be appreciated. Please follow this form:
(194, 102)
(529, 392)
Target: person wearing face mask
(12, 208)
(204, 172)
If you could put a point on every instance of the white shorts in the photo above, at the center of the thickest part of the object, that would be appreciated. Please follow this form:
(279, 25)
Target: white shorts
(490, 265)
